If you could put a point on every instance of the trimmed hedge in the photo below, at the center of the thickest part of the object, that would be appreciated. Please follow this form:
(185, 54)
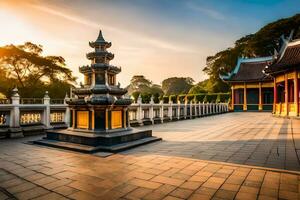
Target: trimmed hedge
(206, 98)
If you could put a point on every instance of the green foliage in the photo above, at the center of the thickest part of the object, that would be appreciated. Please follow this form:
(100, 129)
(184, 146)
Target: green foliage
(181, 98)
(156, 98)
(261, 43)
(135, 96)
(173, 98)
(190, 97)
(211, 98)
(165, 99)
(146, 97)
(23, 66)
(177, 85)
(201, 87)
(199, 97)
(142, 85)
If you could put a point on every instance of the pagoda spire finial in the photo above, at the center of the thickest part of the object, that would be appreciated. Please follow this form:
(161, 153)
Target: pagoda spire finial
(100, 36)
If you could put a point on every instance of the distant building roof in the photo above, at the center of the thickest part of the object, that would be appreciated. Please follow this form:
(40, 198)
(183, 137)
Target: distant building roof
(249, 70)
(288, 58)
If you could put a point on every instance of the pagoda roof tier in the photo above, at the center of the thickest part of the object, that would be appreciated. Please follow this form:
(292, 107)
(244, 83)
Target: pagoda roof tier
(100, 89)
(249, 70)
(100, 41)
(287, 59)
(97, 54)
(99, 66)
(100, 100)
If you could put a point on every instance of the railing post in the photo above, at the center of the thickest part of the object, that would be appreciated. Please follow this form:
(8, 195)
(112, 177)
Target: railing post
(170, 111)
(15, 129)
(139, 111)
(185, 109)
(207, 108)
(47, 111)
(68, 113)
(178, 110)
(151, 110)
(161, 111)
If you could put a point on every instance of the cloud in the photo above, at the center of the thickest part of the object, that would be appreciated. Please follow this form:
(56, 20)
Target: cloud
(206, 11)
(157, 43)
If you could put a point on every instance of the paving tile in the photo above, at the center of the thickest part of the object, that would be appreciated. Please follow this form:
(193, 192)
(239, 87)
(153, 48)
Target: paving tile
(167, 180)
(138, 193)
(192, 185)
(21, 187)
(32, 193)
(65, 190)
(147, 184)
(181, 193)
(225, 194)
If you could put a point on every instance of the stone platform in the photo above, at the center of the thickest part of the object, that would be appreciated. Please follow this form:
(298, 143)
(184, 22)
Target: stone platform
(88, 142)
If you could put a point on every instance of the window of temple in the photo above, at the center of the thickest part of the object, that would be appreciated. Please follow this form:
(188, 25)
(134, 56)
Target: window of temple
(239, 96)
(291, 90)
(116, 119)
(252, 96)
(87, 79)
(111, 79)
(267, 96)
(280, 92)
(100, 78)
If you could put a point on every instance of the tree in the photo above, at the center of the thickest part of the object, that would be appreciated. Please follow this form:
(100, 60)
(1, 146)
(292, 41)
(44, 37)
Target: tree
(177, 85)
(25, 67)
(261, 43)
(143, 85)
(201, 87)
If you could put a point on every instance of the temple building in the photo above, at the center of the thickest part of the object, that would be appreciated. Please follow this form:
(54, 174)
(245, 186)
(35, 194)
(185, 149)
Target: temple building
(285, 71)
(251, 89)
(99, 112)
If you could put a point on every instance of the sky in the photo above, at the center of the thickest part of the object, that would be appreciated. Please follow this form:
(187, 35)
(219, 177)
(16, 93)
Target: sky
(155, 38)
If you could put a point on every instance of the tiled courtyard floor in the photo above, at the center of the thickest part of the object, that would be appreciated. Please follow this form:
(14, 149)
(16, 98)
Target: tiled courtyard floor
(218, 157)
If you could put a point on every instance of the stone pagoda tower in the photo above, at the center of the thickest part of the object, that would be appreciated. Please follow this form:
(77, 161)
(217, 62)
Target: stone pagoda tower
(98, 113)
(99, 94)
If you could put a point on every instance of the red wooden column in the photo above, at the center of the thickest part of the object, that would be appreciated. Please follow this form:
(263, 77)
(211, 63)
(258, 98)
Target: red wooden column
(245, 97)
(275, 96)
(296, 93)
(260, 106)
(232, 97)
(286, 94)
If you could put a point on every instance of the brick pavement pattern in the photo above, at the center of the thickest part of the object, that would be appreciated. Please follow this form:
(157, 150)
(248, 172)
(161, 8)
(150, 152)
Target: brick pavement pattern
(231, 156)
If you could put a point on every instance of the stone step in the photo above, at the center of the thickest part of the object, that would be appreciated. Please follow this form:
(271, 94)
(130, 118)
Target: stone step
(92, 149)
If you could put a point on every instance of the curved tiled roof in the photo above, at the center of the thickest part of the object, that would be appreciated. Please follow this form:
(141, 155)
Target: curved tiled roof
(289, 58)
(249, 70)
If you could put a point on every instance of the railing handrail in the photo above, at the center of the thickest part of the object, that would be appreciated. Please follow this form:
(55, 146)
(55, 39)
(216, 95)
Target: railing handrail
(5, 101)
(57, 101)
(31, 100)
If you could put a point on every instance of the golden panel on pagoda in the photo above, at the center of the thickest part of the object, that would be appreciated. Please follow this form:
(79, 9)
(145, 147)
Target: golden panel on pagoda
(116, 119)
(83, 119)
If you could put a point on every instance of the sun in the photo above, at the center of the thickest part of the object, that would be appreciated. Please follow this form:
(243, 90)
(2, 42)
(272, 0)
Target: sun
(14, 28)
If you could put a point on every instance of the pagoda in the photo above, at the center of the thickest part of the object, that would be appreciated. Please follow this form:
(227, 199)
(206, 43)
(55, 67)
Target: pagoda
(98, 112)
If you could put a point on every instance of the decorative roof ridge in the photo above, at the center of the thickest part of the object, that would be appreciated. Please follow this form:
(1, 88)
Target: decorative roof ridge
(256, 59)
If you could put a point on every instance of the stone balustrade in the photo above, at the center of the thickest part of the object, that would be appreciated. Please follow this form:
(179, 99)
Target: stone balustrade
(145, 114)
(20, 117)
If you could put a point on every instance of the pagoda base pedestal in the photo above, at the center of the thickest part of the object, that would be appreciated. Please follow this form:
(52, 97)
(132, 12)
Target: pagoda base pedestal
(90, 142)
